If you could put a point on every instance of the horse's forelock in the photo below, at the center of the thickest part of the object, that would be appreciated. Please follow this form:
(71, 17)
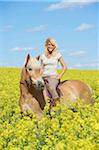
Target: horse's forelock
(34, 63)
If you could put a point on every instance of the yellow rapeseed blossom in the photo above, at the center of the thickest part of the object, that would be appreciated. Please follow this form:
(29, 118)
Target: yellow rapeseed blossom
(68, 128)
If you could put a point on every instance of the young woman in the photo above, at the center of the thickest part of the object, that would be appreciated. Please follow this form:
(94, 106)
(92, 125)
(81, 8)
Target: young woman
(49, 61)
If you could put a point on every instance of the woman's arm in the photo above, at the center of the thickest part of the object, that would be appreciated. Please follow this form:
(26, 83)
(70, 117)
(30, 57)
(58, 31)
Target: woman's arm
(64, 68)
(42, 67)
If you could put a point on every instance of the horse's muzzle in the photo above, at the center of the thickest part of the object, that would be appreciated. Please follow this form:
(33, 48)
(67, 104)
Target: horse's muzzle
(40, 85)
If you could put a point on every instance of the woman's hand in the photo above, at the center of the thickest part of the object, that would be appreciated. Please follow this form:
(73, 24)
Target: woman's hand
(58, 77)
(64, 68)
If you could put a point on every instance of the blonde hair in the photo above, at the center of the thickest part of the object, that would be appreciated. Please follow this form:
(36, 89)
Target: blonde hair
(52, 41)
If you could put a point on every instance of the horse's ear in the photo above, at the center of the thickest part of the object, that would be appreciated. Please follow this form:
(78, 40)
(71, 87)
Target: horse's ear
(38, 57)
(27, 59)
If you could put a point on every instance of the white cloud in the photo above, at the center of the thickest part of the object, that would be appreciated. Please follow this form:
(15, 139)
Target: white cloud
(65, 4)
(40, 28)
(87, 65)
(6, 28)
(77, 53)
(84, 26)
(22, 49)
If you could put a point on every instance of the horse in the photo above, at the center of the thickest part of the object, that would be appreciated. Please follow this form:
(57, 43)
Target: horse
(32, 88)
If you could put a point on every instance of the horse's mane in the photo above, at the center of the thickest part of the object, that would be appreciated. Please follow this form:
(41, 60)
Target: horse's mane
(62, 82)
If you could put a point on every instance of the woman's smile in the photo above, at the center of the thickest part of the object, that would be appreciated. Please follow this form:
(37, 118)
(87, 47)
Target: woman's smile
(50, 47)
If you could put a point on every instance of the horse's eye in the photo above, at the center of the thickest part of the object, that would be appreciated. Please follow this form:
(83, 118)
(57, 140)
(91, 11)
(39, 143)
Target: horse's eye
(30, 69)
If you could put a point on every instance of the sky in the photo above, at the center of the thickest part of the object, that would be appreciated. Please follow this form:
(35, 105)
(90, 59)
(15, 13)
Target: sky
(25, 25)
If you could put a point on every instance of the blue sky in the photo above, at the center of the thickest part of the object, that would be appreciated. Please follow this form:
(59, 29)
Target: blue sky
(25, 25)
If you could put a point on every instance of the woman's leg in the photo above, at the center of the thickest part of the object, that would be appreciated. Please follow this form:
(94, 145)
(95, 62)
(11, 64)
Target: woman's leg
(51, 84)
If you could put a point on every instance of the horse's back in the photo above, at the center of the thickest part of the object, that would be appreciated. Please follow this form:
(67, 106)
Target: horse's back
(76, 89)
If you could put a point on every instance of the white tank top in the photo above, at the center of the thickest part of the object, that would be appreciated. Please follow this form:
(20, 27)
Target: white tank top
(50, 64)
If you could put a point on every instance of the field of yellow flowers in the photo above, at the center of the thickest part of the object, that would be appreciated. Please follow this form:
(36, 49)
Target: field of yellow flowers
(66, 130)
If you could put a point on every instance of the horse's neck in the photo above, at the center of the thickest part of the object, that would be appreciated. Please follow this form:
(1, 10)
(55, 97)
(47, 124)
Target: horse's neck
(39, 96)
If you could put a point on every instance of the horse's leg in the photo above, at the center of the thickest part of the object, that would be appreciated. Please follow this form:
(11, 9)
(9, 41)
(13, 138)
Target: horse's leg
(23, 105)
(34, 105)
(46, 97)
(45, 94)
(30, 103)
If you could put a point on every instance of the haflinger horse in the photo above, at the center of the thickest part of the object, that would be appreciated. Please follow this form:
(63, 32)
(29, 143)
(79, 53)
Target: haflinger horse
(32, 93)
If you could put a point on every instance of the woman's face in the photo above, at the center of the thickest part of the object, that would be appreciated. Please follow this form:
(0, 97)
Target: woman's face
(50, 47)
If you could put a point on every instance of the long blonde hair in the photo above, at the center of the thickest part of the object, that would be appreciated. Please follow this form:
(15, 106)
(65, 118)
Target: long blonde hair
(52, 41)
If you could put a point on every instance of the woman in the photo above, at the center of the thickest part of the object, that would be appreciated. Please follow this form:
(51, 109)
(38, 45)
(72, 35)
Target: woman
(49, 61)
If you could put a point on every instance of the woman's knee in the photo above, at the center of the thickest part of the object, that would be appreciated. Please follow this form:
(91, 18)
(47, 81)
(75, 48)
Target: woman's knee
(51, 88)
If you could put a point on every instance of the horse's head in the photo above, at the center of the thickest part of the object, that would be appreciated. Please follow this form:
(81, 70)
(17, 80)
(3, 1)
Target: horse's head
(33, 69)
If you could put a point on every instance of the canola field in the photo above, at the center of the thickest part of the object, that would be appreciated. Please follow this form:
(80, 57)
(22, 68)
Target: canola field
(66, 130)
